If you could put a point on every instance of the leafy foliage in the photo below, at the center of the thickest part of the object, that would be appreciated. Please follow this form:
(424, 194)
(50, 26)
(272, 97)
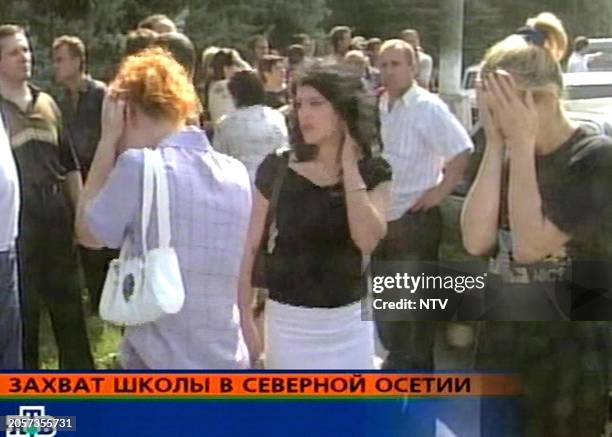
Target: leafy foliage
(102, 23)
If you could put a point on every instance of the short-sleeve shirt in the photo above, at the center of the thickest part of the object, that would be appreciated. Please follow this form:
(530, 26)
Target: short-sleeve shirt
(210, 207)
(575, 183)
(44, 155)
(315, 262)
(250, 133)
(576, 187)
(9, 193)
(82, 123)
(419, 135)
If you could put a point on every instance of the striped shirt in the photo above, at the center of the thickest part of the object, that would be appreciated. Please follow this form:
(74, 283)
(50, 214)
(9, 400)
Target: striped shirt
(419, 135)
(210, 207)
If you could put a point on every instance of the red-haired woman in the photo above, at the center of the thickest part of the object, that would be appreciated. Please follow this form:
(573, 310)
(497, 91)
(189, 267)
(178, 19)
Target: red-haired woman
(149, 103)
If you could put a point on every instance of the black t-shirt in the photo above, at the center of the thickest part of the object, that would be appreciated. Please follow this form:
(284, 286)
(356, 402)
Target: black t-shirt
(315, 262)
(83, 122)
(576, 188)
(575, 183)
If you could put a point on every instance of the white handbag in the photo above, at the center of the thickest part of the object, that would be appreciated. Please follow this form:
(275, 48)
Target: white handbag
(140, 289)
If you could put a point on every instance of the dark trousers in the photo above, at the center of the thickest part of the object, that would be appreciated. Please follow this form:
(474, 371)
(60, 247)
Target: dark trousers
(11, 348)
(412, 238)
(95, 266)
(50, 277)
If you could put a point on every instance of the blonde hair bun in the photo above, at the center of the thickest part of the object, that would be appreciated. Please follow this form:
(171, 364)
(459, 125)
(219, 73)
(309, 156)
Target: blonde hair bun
(556, 36)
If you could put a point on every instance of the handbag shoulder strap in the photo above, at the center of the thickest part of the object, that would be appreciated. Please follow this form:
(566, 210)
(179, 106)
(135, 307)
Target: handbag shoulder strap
(148, 179)
(283, 153)
(162, 199)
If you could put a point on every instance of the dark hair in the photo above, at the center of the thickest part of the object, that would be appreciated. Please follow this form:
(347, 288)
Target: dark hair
(223, 58)
(580, 43)
(181, 48)
(138, 40)
(337, 33)
(296, 54)
(300, 38)
(347, 94)
(246, 89)
(7, 30)
(266, 64)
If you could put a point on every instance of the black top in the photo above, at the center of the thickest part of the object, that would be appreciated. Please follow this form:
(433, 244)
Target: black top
(575, 183)
(315, 262)
(44, 155)
(83, 122)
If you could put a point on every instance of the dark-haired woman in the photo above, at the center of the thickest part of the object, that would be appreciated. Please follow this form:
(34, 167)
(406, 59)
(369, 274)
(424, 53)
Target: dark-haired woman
(224, 64)
(330, 213)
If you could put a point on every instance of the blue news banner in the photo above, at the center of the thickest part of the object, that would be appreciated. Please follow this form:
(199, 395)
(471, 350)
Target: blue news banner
(141, 417)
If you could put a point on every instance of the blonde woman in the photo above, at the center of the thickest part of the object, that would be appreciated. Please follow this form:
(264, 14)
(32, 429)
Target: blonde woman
(540, 207)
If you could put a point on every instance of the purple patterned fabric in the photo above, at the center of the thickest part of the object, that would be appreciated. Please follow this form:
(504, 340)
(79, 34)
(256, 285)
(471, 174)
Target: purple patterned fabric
(210, 204)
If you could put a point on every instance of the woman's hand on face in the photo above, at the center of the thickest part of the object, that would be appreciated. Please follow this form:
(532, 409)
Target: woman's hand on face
(517, 117)
(490, 125)
(113, 118)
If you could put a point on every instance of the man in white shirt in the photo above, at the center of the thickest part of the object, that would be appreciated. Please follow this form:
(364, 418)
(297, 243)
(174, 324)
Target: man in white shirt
(425, 61)
(580, 61)
(10, 320)
(428, 150)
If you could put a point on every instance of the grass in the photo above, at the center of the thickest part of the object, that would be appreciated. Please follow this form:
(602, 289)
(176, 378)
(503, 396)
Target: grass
(103, 337)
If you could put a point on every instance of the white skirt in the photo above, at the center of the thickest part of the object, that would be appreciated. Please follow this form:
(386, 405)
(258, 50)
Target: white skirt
(317, 338)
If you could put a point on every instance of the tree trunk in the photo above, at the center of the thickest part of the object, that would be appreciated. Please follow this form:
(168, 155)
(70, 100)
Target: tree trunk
(451, 46)
(451, 64)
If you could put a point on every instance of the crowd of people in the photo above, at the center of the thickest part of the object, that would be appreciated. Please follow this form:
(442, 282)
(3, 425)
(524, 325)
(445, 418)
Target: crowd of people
(324, 162)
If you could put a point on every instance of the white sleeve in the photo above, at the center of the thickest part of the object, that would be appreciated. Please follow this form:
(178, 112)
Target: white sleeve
(449, 137)
(425, 68)
(9, 191)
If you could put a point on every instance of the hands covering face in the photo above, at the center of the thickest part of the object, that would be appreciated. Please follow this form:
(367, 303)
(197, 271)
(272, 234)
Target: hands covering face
(509, 115)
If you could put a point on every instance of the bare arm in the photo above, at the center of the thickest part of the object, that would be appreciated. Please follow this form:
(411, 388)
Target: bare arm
(365, 209)
(245, 288)
(480, 214)
(533, 236)
(453, 172)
